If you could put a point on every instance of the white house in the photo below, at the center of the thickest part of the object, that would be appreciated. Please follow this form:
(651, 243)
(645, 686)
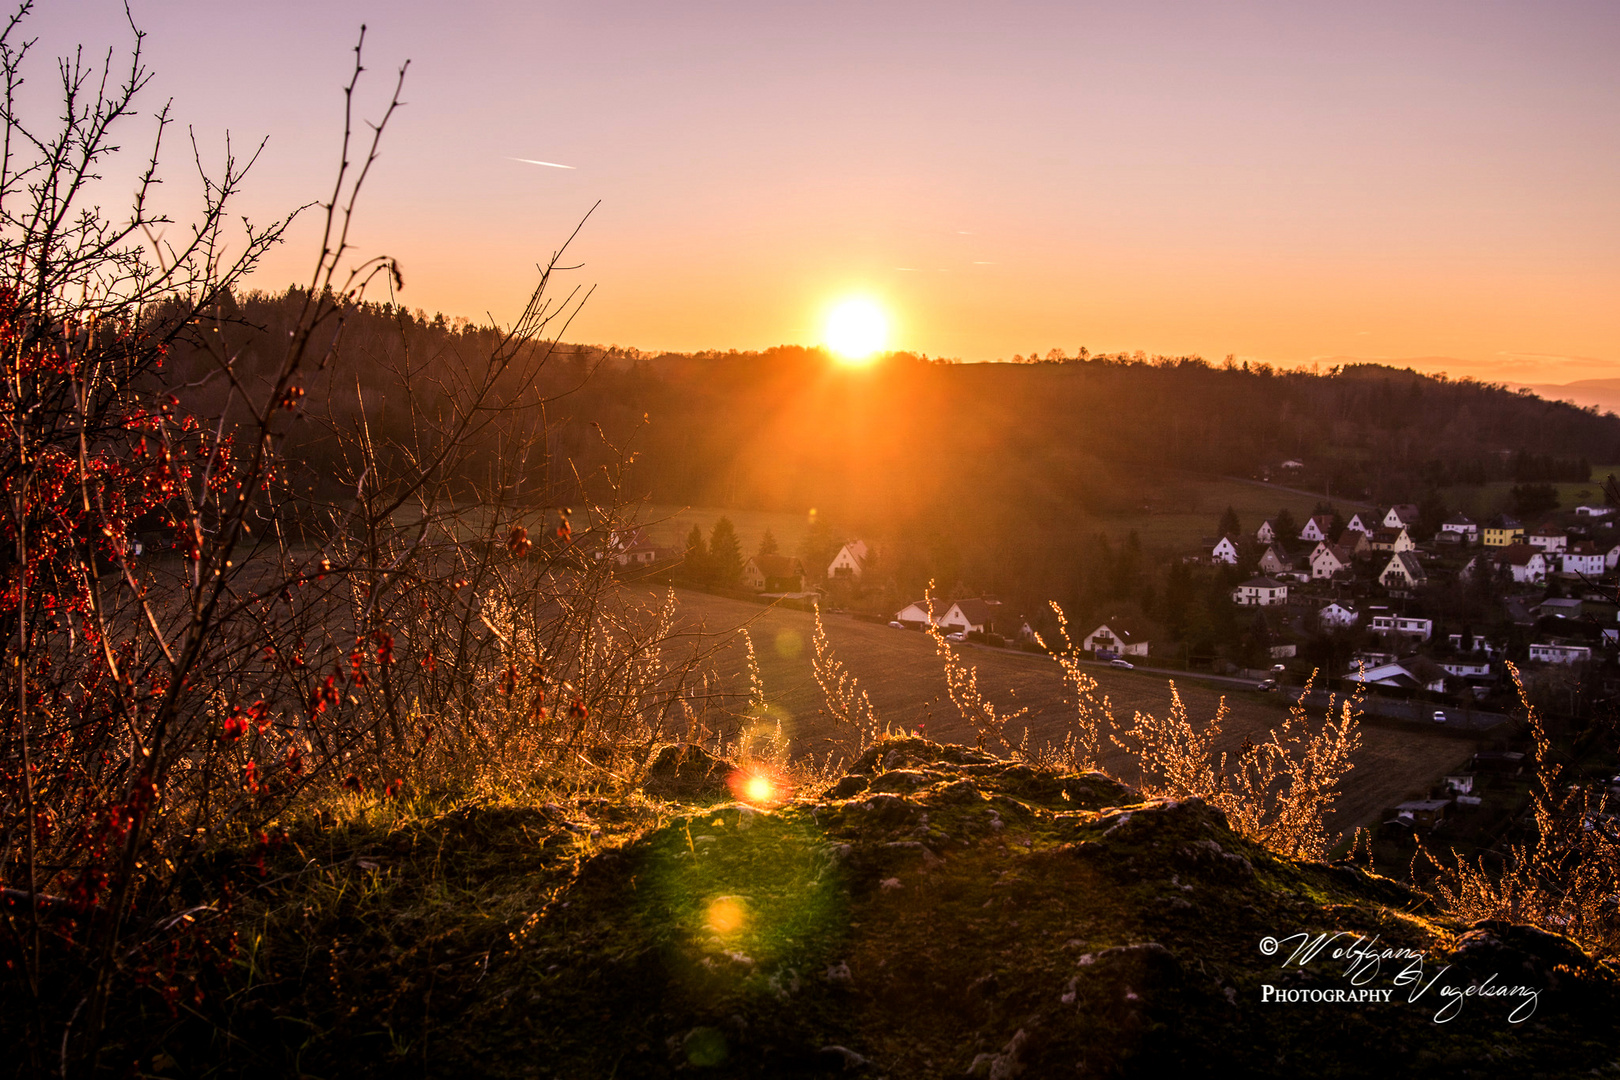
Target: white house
(850, 561)
(1276, 561)
(1480, 645)
(976, 614)
(1463, 526)
(1611, 555)
(1401, 516)
(1403, 625)
(1463, 667)
(1116, 635)
(773, 573)
(1586, 558)
(1338, 615)
(917, 613)
(1267, 532)
(1393, 540)
(1403, 570)
(1260, 592)
(1593, 511)
(1527, 565)
(1328, 560)
(1224, 551)
(1360, 526)
(1556, 653)
(1414, 673)
(1317, 527)
(1548, 538)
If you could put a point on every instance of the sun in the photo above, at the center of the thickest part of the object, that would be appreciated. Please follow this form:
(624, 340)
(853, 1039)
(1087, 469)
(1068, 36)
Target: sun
(856, 330)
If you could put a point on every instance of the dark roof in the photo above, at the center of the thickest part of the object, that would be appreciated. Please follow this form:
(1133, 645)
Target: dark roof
(1517, 554)
(1261, 582)
(977, 610)
(1409, 563)
(778, 566)
(1122, 627)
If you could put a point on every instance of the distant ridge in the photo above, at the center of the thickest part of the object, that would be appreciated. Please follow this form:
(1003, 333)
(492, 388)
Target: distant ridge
(1603, 393)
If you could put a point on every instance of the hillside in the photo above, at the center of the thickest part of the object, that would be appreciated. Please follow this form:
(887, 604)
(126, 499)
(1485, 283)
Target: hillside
(938, 912)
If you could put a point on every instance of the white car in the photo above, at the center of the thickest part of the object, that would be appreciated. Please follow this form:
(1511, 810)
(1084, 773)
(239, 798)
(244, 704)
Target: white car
(960, 635)
(1117, 662)
(898, 625)
(1439, 716)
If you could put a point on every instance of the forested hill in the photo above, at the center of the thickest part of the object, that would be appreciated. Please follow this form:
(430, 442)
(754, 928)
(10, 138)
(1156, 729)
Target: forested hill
(909, 440)
(786, 427)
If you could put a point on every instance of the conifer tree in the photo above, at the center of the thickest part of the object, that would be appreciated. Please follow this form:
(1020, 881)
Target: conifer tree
(697, 557)
(725, 553)
(767, 544)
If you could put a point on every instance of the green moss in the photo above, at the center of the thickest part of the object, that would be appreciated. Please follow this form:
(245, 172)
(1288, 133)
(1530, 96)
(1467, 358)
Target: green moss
(980, 912)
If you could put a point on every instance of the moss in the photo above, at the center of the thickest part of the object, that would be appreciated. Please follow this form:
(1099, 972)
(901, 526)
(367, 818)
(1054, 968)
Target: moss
(977, 916)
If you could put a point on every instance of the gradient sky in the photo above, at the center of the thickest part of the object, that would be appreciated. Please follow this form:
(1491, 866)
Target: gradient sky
(1284, 181)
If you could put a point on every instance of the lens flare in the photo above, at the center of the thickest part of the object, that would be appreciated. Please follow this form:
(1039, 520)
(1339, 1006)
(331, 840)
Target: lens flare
(759, 789)
(856, 330)
(758, 786)
(725, 915)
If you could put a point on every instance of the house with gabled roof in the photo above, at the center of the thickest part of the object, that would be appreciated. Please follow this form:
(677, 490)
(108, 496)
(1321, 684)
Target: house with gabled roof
(1317, 527)
(1337, 615)
(1223, 550)
(1548, 537)
(1361, 526)
(850, 562)
(1403, 571)
(1412, 673)
(1267, 532)
(1401, 516)
(1527, 565)
(1461, 526)
(1356, 542)
(1329, 559)
(920, 613)
(773, 574)
(974, 615)
(1393, 540)
(1275, 560)
(1120, 635)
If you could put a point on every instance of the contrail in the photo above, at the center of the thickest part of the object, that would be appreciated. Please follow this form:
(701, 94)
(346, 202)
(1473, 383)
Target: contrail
(547, 164)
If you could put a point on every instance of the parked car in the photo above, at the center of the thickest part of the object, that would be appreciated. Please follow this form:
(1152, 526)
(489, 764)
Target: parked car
(1279, 668)
(897, 624)
(1268, 684)
(960, 635)
(1439, 716)
(1117, 662)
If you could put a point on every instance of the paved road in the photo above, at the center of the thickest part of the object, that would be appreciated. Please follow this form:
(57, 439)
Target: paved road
(1178, 674)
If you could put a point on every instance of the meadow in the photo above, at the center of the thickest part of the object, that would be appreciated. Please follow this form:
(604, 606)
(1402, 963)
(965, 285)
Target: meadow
(902, 673)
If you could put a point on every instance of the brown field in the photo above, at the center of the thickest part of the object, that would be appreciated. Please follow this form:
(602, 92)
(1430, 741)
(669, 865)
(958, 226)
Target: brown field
(901, 672)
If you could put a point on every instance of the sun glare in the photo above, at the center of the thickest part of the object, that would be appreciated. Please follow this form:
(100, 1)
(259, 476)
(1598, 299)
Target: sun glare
(856, 330)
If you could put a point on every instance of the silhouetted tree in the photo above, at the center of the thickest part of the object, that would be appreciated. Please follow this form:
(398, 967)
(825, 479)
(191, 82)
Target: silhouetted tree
(725, 553)
(1287, 528)
(1229, 525)
(697, 556)
(767, 544)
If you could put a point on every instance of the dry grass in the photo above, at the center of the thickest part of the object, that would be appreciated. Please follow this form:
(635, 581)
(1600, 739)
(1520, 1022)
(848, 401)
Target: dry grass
(901, 673)
(1565, 880)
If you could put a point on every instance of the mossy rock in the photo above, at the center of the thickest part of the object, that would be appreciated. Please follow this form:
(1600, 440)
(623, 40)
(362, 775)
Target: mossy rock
(981, 918)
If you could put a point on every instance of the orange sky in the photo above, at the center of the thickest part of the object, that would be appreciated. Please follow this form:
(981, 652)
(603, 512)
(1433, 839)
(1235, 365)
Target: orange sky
(1281, 181)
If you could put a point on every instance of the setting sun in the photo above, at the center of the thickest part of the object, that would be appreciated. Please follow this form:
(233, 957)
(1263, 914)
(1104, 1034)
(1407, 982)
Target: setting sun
(856, 330)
